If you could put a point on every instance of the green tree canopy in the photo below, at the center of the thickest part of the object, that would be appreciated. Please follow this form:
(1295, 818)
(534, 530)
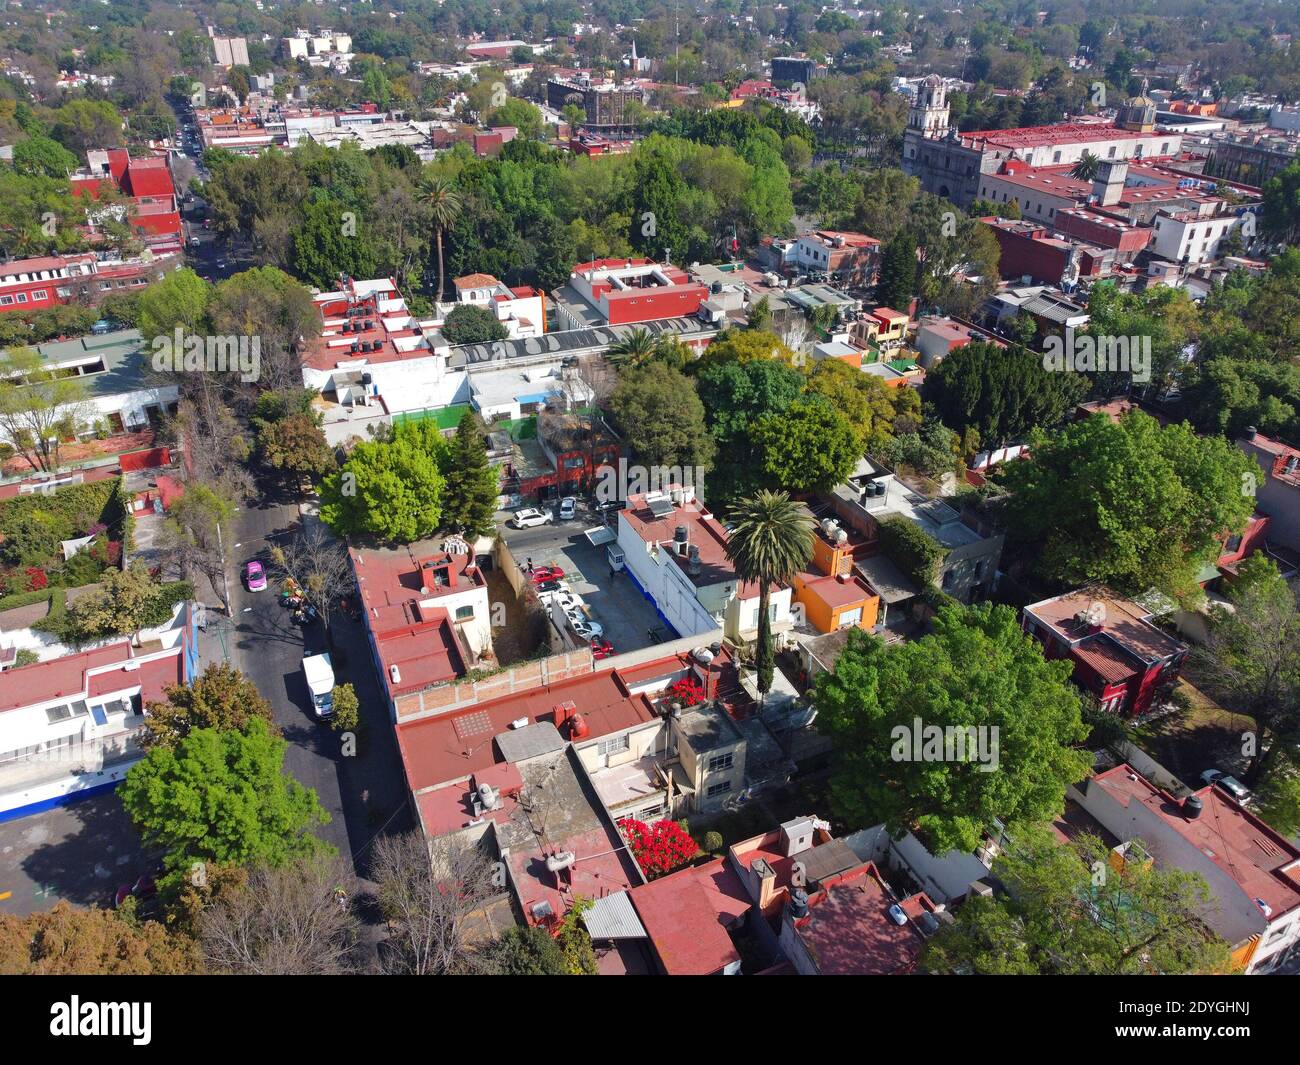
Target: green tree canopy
(659, 413)
(808, 447)
(470, 485)
(220, 698)
(222, 796)
(977, 669)
(1067, 910)
(391, 490)
(467, 324)
(1002, 392)
(1128, 503)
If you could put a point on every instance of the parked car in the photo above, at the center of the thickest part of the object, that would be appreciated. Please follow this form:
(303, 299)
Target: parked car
(605, 506)
(568, 600)
(601, 647)
(568, 508)
(584, 627)
(548, 587)
(543, 574)
(254, 576)
(530, 517)
(144, 889)
(1231, 785)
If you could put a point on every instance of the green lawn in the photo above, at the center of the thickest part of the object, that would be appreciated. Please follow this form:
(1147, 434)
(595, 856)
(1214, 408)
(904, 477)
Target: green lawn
(446, 417)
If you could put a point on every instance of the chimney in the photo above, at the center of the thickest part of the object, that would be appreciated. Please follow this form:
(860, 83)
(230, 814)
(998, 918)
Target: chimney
(1108, 185)
(1250, 432)
(766, 882)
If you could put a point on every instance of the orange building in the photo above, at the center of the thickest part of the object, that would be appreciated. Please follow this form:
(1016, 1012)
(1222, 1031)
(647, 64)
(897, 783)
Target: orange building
(832, 596)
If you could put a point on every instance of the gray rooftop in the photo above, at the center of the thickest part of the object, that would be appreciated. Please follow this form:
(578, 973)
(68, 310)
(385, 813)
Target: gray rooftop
(890, 583)
(124, 353)
(708, 727)
(531, 741)
(571, 342)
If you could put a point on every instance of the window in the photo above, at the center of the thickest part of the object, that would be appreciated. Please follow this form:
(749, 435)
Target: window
(55, 714)
(1056, 157)
(719, 789)
(719, 762)
(851, 617)
(5, 301)
(39, 294)
(612, 746)
(464, 613)
(21, 297)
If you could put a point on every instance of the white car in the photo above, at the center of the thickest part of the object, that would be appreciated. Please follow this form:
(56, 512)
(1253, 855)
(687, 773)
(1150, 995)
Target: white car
(586, 630)
(568, 508)
(530, 516)
(1231, 785)
(568, 600)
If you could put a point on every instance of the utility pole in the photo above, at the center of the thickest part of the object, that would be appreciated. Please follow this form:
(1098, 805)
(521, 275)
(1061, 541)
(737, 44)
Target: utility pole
(225, 572)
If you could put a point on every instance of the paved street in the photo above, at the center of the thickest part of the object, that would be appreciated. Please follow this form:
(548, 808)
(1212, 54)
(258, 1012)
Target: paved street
(364, 794)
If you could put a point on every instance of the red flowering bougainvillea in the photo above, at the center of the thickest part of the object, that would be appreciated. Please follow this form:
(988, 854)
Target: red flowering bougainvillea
(687, 691)
(659, 848)
(35, 578)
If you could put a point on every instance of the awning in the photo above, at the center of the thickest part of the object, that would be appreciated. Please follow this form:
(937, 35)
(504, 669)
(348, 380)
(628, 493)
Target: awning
(613, 917)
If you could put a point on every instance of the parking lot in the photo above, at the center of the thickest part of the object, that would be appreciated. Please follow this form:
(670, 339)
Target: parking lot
(630, 621)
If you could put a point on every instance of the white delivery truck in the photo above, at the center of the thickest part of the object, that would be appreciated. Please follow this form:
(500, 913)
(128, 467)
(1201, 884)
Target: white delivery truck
(319, 672)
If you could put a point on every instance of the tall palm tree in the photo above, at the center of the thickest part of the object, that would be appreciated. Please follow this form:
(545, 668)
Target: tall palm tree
(445, 204)
(771, 540)
(635, 347)
(1086, 168)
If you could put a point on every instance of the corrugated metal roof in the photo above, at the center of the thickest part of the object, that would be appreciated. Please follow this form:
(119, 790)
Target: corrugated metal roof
(613, 917)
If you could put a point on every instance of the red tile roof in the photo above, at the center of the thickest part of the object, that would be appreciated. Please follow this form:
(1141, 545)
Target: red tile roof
(1264, 864)
(71, 677)
(704, 531)
(849, 930)
(686, 916)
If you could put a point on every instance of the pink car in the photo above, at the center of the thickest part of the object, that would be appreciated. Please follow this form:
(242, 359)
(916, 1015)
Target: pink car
(254, 576)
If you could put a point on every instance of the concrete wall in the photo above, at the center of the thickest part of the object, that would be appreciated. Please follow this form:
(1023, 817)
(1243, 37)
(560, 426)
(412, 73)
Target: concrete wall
(1237, 919)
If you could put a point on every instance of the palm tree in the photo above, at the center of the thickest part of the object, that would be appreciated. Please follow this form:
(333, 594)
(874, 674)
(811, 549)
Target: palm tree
(1086, 168)
(635, 347)
(770, 541)
(445, 205)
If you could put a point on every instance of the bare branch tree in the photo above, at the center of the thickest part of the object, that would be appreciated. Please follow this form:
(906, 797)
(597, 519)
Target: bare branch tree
(293, 920)
(318, 564)
(435, 906)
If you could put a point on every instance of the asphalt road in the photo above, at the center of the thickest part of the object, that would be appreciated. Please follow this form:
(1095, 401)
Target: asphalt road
(364, 793)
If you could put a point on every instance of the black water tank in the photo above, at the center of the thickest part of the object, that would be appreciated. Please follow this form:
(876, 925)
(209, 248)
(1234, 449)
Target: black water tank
(1192, 807)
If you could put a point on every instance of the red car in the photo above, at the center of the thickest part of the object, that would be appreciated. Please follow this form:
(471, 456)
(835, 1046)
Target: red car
(601, 647)
(143, 890)
(547, 573)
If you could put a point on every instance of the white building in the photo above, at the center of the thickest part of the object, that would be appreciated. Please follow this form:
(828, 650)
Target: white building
(122, 394)
(522, 310)
(1189, 237)
(1253, 872)
(70, 724)
(676, 551)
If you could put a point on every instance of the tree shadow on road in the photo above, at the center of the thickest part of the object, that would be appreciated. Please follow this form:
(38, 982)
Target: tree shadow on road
(87, 866)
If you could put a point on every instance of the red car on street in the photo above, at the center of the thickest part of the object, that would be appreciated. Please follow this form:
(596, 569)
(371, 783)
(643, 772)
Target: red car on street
(601, 647)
